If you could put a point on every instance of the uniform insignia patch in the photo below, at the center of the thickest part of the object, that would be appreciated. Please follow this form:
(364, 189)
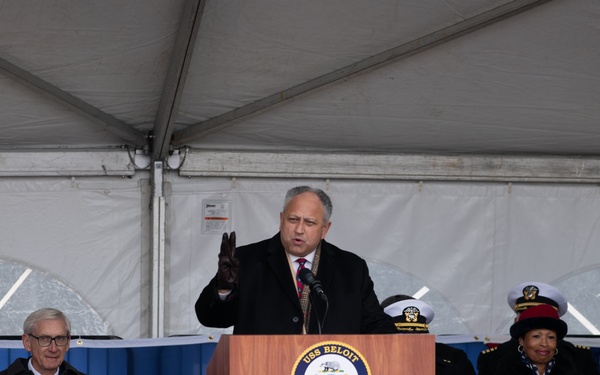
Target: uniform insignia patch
(489, 350)
(530, 292)
(412, 314)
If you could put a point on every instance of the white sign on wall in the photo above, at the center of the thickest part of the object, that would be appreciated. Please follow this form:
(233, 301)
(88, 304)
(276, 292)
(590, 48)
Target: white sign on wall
(216, 216)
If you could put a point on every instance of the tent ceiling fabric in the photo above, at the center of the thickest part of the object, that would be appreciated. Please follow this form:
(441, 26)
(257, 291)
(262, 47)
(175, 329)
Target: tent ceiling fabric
(95, 96)
(526, 84)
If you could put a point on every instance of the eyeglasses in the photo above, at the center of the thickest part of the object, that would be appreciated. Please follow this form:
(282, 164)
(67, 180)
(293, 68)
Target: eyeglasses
(47, 340)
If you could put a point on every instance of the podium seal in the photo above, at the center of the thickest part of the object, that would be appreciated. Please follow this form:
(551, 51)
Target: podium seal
(331, 357)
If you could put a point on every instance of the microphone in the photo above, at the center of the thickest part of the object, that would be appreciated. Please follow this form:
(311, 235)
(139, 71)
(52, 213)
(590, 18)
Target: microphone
(308, 278)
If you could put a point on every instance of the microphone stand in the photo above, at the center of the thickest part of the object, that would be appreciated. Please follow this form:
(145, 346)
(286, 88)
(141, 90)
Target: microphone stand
(316, 292)
(313, 298)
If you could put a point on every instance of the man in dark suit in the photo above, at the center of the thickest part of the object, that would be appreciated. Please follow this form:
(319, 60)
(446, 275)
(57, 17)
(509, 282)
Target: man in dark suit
(257, 291)
(411, 315)
(520, 298)
(47, 337)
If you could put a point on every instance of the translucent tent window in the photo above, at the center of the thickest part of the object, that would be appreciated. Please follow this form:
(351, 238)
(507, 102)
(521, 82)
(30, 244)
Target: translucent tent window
(582, 291)
(390, 281)
(24, 290)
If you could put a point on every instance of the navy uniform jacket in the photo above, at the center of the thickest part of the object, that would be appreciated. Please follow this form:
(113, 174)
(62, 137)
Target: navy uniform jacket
(581, 357)
(266, 300)
(451, 361)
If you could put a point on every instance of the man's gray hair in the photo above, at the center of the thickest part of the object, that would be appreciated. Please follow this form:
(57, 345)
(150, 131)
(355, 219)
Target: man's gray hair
(43, 314)
(325, 200)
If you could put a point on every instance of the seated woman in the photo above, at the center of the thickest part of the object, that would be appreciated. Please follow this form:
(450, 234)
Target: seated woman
(538, 330)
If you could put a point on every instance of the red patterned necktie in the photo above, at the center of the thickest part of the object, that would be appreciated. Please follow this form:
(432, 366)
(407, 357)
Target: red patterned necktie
(299, 282)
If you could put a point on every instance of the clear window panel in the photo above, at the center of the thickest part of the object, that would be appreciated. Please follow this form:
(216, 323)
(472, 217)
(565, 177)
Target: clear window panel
(24, 290)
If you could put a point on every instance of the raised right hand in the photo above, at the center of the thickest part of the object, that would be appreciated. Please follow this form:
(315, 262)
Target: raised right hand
(229, 265)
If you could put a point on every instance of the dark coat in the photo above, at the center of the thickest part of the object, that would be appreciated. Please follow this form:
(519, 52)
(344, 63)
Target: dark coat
(19, 367)
(570, 359)
(266, 301)
(451, 361)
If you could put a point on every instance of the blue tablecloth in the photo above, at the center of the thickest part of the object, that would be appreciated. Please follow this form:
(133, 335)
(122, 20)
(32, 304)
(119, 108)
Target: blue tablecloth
(187, 355)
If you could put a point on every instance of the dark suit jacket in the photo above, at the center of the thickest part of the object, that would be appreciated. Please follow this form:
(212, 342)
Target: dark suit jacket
(266, 300)
(582, 358)
(20, 367)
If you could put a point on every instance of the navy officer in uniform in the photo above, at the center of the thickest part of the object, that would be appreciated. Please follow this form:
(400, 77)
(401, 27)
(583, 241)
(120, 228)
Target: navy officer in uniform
(413, 316)
(520, 298)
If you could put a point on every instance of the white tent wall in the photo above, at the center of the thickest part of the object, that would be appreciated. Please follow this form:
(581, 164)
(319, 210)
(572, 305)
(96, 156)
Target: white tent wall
(468, 242)
(88, 234)
(221, 79)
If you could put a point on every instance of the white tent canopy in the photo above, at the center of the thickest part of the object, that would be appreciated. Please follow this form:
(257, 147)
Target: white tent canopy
(457, 139)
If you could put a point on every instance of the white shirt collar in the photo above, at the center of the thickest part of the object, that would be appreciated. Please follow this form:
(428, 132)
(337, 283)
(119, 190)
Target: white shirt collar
(30, 366)
(309, 258)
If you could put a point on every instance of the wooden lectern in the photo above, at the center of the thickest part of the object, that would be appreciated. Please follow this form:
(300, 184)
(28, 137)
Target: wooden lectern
(386, 354)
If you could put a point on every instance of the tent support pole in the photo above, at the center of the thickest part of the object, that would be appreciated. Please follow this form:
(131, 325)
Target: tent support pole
(158, 251)
(371, 63)
(413, 167)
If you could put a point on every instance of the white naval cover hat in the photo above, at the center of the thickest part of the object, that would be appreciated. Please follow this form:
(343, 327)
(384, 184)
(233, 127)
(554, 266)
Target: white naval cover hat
(410, 315)
(533, 293)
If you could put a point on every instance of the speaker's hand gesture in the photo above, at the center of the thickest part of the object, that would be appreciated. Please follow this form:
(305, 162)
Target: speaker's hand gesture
(229, 265)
